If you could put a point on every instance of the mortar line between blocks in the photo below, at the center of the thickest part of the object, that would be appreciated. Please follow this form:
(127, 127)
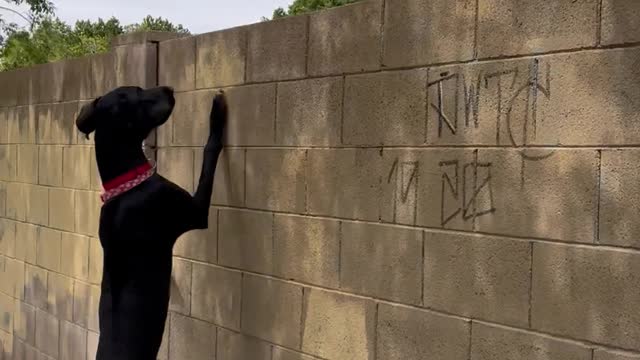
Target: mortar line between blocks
(596, 236)
(470, 345)
(583, 245)
(382, 33)
(476, 34)
(599, 24)
(529, 314)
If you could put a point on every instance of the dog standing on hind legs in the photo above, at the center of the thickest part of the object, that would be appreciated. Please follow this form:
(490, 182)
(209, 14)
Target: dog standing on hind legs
(142, 216)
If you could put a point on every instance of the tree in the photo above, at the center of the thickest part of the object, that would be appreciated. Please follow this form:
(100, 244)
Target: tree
(150, 23)
(51, 39)
(305, 6)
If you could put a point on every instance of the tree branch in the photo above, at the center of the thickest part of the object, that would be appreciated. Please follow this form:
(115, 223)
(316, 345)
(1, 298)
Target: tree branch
(17, 13)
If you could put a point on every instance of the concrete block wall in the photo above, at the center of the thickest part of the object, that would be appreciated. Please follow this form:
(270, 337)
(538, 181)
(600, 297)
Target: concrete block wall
(404, 179)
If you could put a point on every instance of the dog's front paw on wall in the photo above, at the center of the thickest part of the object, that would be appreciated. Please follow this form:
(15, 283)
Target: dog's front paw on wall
(218, 117)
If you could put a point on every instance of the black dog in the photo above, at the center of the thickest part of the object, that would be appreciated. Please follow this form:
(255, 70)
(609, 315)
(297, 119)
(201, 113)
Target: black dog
(142, 216)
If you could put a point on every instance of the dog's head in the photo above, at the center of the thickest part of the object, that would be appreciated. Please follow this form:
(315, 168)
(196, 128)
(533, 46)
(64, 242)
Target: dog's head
(127, 113)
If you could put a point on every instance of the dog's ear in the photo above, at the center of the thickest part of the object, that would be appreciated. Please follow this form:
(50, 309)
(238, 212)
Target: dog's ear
(88, 118)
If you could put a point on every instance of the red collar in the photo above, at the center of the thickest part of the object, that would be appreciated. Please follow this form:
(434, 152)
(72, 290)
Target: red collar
(126, 181)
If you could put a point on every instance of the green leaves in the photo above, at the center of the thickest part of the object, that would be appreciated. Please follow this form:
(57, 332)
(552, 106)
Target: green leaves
(51, 39)
(305, 6)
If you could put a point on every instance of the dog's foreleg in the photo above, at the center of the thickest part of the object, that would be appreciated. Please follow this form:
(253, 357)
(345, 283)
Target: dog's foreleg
(212, 150)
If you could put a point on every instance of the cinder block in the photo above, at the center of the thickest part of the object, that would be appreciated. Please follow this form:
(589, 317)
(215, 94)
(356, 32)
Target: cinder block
(191, 339)
(277, 50)
(478, 277)
(93, 322)
(60, 296)
(3, 199)
(7, 311)
(275, 180)
(405, 333)
(35, 286)
(507, 27)
(181, 287)
(586, 87)
(75, 250)
(73, 341)
(136, 65)
(12, 278)
(16, 204)
(423, 32)
(190, 118)
(22, 125)
(343, 183)
(246, 240)
(47, 333)
(601, 354)
(24, 322)
(47, 82)
(8, 162)
(271, 310)
(303, 123)
(48, 249)
(37, 199)
(77, 82)
(496, 342)
(61, 209)
(307, 250)
(7, 237)
(347, 39)
(92, 345)
(64, 117)
(619, 198)
(387, 108)
(586, 294)
(76, 171)
(4, 124)
(6, 345)
(104, 76)
(9, 95)
(338, 326)
(50, 166)
(176, 164)
(551, 196)
(619, 22)
(221, 58)
(216, 295)
(228, 183)
(95, 261)
(382, 261)
(26, 242)
(200, 245)
(284, 354)
(177, 61)
(27, 164)
(163, 352)
(96, 181)
(88, 207)
(236, 346)
(81, 297)
(252, 114)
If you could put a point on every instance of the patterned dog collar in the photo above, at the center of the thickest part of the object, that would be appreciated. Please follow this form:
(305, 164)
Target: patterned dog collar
(127, 182)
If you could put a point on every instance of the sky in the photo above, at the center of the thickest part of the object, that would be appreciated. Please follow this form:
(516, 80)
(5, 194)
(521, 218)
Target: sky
(199, 16)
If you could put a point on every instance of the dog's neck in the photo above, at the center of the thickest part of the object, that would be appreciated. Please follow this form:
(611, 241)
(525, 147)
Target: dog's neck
(115, 160)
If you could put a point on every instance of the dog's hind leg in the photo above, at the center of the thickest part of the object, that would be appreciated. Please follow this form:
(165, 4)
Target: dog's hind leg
(202, 196)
